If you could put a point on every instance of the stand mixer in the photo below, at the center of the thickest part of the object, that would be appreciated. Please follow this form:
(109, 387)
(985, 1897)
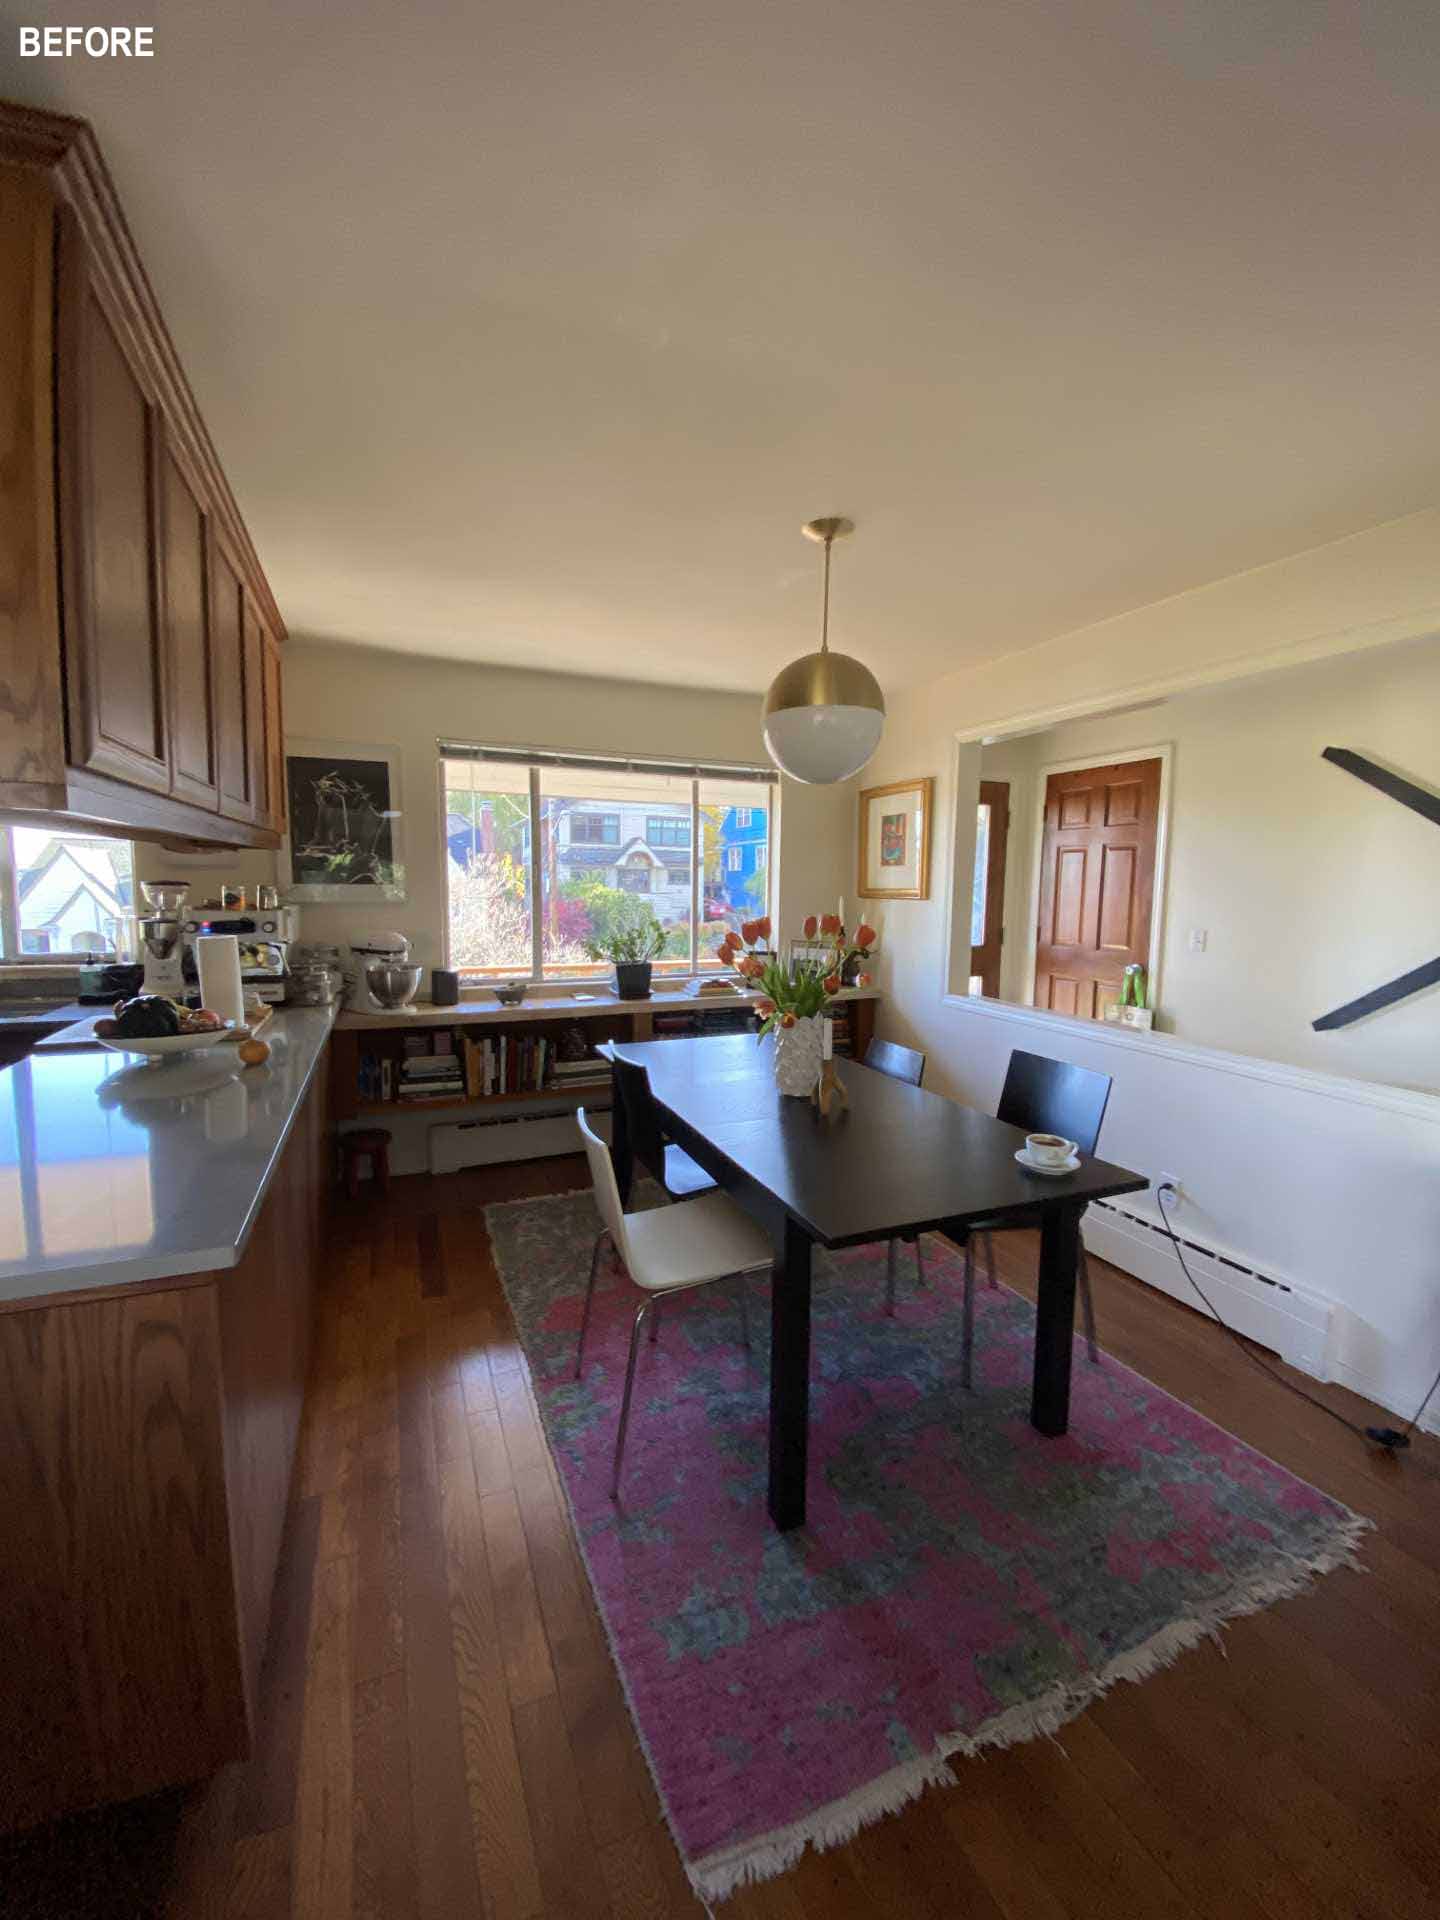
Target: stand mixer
(160, 937)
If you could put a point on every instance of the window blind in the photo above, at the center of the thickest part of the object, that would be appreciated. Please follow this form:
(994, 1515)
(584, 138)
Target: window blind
(608, 763)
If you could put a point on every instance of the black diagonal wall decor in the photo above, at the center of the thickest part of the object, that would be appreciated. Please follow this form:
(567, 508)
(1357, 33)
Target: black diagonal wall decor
(1428, 807)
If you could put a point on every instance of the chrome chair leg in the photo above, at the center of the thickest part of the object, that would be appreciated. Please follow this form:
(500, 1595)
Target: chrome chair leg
(990, 1279)
(890, 1279)
(967, 1321)
(625, 1403)
(600, 1239)
(1087, 1308)
(920, 1279)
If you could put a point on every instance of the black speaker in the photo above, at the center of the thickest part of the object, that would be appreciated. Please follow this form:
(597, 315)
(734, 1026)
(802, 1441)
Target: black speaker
(444, 987)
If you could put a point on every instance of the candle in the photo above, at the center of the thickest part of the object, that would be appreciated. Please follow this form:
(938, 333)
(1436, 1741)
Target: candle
(217, 961)
(827, 1030)
(842, 910)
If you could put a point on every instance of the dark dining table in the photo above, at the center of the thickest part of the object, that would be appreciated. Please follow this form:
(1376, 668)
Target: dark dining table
(895, 1160)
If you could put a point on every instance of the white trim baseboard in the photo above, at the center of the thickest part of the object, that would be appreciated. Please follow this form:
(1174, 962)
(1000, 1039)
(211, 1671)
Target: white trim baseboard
(1411, 1102)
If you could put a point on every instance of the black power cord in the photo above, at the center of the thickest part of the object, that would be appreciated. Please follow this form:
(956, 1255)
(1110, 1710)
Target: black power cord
(1391, 1440)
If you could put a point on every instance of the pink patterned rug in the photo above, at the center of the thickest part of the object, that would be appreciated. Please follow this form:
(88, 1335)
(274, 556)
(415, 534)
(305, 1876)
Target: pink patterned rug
(962, 1582)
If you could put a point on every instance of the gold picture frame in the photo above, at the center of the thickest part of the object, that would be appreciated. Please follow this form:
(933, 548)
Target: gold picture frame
(895, 840)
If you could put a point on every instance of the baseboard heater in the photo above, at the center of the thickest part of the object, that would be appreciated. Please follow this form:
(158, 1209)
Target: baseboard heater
(489, 1143)
(1292, 1322)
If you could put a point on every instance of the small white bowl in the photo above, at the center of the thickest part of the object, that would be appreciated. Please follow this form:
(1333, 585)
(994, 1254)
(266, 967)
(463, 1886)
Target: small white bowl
(164, 1046)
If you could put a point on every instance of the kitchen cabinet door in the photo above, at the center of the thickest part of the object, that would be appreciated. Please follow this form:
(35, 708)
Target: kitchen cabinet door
(227, 655)
(114, 656)
(274, 735)
(255, 711)
(184, 600)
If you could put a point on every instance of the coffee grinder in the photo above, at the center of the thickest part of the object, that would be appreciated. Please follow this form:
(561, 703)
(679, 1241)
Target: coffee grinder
(161, 947)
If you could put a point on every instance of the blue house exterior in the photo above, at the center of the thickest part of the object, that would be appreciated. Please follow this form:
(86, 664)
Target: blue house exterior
(744, 838)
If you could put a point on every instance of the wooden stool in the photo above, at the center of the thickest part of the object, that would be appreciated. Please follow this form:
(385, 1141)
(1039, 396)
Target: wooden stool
(372, 1143)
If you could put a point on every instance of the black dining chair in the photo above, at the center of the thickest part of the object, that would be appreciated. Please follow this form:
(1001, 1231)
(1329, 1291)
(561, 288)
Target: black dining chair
(1042, 1096)
(907, 1064)
(680, 1176)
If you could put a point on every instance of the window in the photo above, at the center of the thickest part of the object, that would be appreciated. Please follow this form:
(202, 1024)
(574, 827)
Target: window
(595, 829)
(548, 855)
(742, 816)
(668, 830)
(63, 893)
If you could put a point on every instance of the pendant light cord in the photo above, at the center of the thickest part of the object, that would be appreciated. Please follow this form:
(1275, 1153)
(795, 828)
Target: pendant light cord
(825, 605)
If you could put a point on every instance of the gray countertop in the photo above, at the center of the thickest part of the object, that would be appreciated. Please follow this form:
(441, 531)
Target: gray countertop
(18, 1012)
(112, 1171)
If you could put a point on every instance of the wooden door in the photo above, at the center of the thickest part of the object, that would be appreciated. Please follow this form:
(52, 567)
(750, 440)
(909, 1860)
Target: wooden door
(987, 912)
(274, 733)
(1097, 884)
(227, 654)
(254, 668)
(184, 602)
(108, 425)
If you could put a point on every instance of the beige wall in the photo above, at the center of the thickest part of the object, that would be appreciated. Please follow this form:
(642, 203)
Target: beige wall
(372, 698)
(1311, 889)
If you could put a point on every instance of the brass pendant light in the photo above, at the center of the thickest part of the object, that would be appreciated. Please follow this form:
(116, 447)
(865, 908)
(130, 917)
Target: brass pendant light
(824, 713)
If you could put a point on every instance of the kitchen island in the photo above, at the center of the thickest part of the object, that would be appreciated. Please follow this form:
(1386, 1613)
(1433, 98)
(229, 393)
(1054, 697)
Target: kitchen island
(161, 1238)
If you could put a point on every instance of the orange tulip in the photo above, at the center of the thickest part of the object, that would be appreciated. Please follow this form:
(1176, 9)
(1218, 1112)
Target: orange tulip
(830, 923)
(722, 954)
(867, 980)
(832, 983)
(747, 932)
(762, 928)
(765, 1009)
(787, 1020)
(750, 966)
(811, 926)
(865, 936)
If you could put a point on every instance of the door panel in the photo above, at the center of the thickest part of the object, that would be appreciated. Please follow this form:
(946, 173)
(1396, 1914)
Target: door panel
(274, 735)
(1117, 899)
(1097, 881)
(184, 603)
(254, 678)
(114, 656)
(227, 652)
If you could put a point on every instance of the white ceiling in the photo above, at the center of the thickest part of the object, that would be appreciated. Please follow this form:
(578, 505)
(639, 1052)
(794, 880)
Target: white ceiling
(532, 331)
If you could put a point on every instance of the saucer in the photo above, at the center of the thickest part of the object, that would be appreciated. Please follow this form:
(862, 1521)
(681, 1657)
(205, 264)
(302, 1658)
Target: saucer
(1051, 1173)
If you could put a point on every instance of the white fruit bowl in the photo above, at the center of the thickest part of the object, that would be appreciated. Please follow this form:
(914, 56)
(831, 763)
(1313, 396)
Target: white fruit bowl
(165, 1046)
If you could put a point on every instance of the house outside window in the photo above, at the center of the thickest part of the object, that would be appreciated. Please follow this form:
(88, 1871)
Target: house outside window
(63, 892)
(734, 859)
(595, 829)
(667, 830)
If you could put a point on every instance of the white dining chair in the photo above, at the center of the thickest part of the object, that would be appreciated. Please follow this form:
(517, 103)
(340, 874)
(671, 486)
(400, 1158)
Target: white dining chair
(665, 1250)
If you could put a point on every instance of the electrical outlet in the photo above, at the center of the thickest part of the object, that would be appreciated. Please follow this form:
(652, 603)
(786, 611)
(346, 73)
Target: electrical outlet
(1171, 1180)
(1199, 939)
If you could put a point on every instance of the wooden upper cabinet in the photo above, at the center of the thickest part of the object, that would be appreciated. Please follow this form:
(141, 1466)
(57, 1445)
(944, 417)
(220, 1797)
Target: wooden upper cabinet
(139, 640)
(109, 536)
(227, 653)
(184, 603)
(274, 734)
(255, 714)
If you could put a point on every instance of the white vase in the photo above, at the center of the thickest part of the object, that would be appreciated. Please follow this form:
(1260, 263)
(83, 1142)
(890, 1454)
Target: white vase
(799, 1056)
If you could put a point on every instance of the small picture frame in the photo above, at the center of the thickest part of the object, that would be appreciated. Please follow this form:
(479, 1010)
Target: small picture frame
(895, 840)
(809, 952)
(345, 844)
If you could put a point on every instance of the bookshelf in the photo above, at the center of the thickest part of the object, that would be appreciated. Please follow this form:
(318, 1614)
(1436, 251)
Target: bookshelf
(548, 1041)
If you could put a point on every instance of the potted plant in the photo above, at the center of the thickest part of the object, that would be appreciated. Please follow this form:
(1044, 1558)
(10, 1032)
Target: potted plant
(795, 998)
(630, 945)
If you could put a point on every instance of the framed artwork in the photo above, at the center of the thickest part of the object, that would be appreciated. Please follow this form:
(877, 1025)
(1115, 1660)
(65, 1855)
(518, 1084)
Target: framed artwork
(809, 952)
(895, 841)
(345, 844)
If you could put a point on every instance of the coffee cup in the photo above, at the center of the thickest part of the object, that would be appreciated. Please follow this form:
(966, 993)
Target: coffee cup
(1048, 1149)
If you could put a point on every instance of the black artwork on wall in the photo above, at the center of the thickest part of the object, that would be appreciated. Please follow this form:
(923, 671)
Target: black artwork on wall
(1428, 807)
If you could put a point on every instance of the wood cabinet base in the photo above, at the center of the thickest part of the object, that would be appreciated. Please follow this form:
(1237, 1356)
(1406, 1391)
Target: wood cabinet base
(146, 1447)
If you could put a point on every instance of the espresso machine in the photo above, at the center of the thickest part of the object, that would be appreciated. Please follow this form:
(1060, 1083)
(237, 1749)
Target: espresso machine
(161, 937)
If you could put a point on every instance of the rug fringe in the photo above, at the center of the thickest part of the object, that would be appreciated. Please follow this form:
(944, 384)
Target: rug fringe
(718, 1875)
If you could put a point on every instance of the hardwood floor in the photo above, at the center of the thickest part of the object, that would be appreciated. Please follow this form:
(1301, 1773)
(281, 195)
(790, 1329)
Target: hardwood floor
(443, 1735)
